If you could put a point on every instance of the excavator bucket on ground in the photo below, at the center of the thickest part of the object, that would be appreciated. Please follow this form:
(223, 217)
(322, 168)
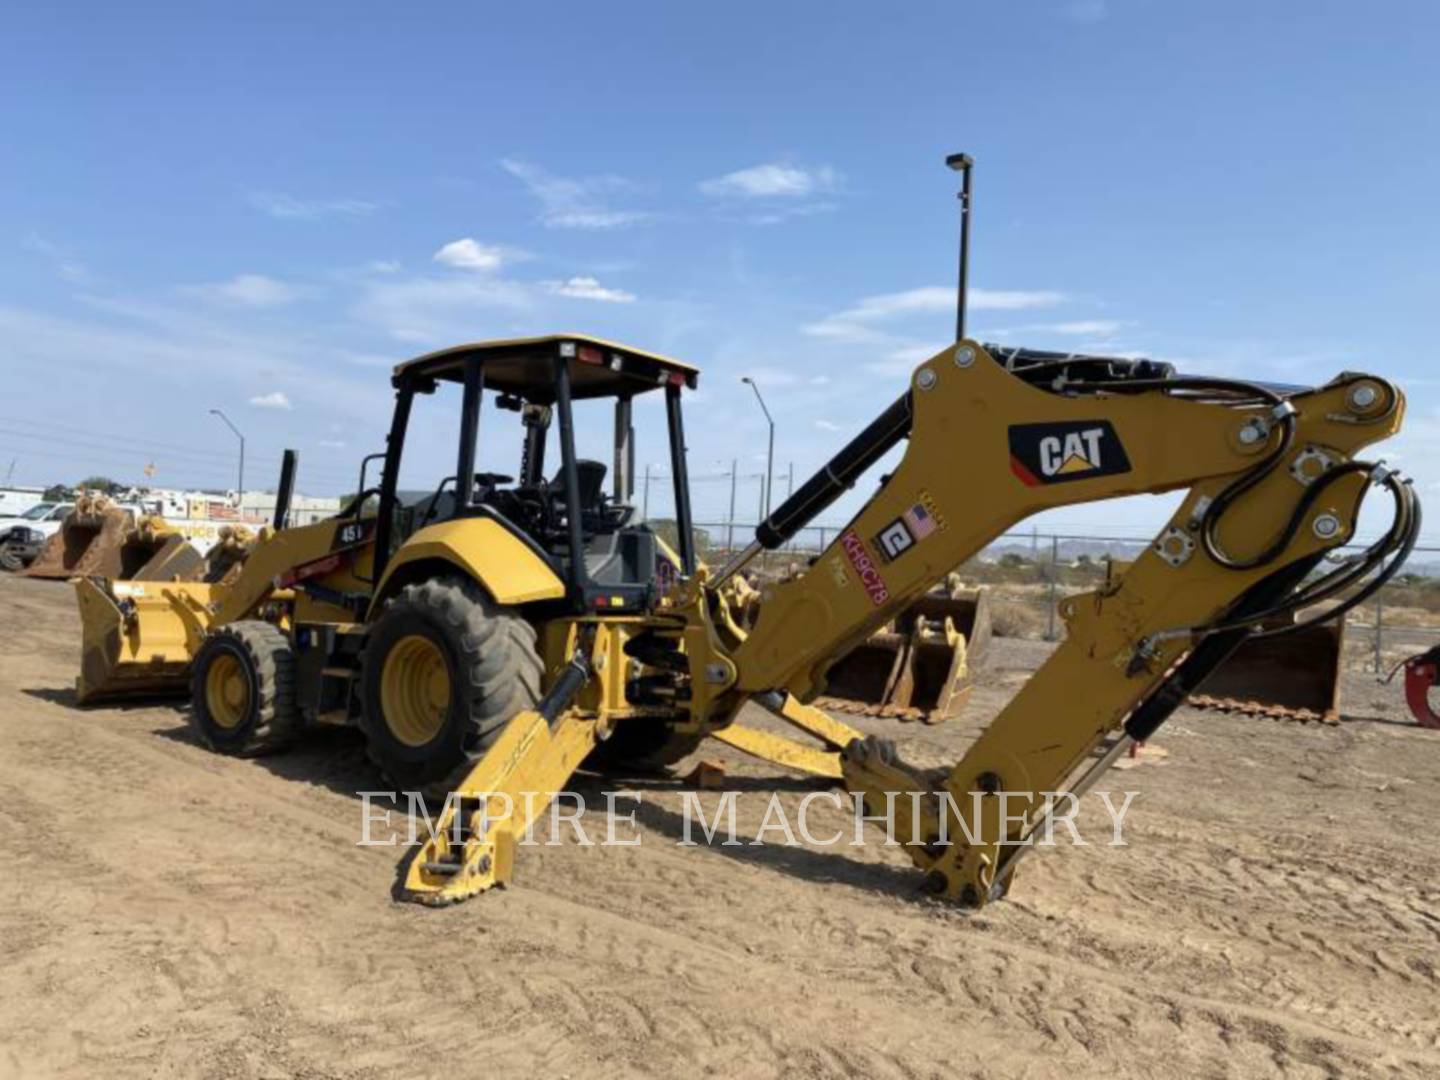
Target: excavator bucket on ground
(921, 666)
(138, 637)
(1295, 676)
(1291, 676)
(88, 543)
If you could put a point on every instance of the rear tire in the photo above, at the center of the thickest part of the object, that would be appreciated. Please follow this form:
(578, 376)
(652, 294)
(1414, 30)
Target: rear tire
(243, 689)
(445, 668)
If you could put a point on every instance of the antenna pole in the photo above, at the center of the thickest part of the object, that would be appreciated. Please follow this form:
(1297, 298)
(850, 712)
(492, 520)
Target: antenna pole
(962, 163)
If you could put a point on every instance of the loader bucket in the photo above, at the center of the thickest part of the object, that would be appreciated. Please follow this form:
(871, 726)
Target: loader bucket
(920, 667)
(173, 559)
(88, 543)
(224, 561)
(154, 551)
(137, 638)
(1294, 676)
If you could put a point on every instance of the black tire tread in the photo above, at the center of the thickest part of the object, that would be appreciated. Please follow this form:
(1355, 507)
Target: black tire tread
(270, 656)
(502, 668)
(10, 559)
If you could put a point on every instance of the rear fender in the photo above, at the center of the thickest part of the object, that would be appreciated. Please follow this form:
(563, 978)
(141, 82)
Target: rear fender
(480, 548)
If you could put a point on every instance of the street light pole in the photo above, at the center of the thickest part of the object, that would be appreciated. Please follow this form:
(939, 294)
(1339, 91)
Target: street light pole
(770, 453)
(730, 520)
(240, 483)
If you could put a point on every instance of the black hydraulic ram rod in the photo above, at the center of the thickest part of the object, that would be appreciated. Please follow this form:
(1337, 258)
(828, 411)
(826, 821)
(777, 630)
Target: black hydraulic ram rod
(836, 476)
(1212, 651)
(571, 680)
(833, 479)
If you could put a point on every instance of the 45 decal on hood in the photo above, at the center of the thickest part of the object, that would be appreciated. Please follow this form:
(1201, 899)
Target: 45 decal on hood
(1073, 450)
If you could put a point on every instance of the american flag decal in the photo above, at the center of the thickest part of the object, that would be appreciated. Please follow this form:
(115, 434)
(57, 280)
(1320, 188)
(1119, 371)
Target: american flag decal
(919, 521)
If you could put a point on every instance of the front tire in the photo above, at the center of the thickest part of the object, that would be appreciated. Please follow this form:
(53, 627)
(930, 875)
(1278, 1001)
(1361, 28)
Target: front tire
(243, 689)
(445, 669)
(10, 558)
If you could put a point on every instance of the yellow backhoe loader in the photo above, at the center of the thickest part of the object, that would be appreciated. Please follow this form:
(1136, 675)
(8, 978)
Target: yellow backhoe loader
(490, 643)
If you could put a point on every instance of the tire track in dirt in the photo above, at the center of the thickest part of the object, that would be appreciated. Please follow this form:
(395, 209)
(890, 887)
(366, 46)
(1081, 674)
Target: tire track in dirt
(191, 915)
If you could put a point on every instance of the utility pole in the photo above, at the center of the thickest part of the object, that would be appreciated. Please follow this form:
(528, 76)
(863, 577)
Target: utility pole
(10, 473)
(240, 483)
(645, 506)
(790, 482)
(770, 453)
(730, 520)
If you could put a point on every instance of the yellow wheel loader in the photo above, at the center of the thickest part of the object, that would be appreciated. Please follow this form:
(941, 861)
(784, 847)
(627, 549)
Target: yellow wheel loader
(492, 638)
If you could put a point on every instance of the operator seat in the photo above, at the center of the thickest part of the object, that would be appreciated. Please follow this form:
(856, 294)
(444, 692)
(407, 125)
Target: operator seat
(592, 485)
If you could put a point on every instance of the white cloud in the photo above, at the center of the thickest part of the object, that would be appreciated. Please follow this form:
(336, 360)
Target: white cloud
(1100, 327)
(66, 265)
(276, 399)
(438, 311)
(576, 202)
(828, 425)
(772, 180)
(383, 266)
(469, 254)
(289, 208)
(856, 324)
(903, 360)
(594, 219)
(331, 444)
(248, 290)
(588, 288)
(1012, 299)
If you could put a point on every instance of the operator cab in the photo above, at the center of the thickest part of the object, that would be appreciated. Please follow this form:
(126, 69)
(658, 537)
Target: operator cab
(577, 513)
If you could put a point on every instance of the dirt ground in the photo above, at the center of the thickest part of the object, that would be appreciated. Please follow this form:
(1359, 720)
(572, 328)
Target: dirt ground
(165, 912)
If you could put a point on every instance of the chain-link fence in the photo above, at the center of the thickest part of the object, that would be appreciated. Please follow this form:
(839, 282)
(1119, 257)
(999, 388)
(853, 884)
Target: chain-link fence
(1030, 573)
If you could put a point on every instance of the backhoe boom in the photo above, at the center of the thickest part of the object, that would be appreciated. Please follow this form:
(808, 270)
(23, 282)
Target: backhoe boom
(1272, 489)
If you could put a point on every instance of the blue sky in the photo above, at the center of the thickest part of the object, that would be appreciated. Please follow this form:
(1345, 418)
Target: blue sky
(262, 207)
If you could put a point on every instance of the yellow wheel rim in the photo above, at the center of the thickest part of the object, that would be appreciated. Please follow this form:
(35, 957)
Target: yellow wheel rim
(415, 690)
(227, 692)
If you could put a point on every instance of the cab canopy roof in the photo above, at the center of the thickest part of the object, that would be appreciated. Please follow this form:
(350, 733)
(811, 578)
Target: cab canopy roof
(526, 367)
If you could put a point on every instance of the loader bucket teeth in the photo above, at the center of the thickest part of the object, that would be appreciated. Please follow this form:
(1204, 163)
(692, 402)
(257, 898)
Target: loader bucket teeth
(919, 668)
(1293, 676)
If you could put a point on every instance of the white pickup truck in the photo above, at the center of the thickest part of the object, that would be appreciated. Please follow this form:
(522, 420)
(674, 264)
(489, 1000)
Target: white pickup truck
(22, 537)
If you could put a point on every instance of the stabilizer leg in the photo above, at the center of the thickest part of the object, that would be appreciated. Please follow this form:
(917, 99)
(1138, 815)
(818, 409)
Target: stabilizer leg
(472, 846)
(779, 750)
